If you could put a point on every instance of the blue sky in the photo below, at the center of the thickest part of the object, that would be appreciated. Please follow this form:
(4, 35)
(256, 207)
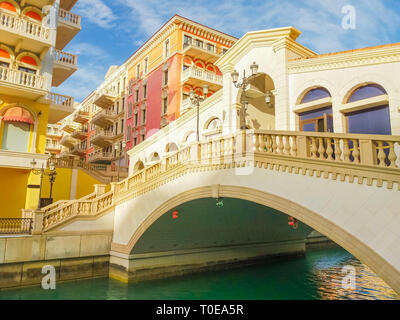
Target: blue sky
(113, 29)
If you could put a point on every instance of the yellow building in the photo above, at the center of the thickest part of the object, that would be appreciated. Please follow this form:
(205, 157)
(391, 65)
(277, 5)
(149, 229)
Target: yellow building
(32, 37)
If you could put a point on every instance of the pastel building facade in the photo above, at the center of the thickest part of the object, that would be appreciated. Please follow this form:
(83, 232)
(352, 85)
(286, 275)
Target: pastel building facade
(148, 91)
(33, 35)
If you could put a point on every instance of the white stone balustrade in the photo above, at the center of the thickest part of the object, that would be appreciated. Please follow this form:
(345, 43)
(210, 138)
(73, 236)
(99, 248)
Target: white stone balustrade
(69, 17)
(67, 59)
(197, 73)
(24, 27)
(22, 78)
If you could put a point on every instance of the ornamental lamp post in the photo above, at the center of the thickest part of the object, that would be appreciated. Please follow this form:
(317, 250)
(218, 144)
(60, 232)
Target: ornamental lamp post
(243, 86)
(196, 100)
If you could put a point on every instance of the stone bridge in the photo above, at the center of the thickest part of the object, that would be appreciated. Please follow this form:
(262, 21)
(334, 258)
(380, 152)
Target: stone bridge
(226, 200)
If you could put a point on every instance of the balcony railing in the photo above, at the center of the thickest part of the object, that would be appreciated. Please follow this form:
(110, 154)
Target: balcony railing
(22, 78)
(101, 156)
(60, 100)
(15, 225)
(199, 74)
(24, 27)
(67, 59)
(69, 17)
(204, 47)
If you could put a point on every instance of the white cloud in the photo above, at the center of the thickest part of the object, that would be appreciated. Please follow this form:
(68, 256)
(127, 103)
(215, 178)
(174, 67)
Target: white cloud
(96, 12)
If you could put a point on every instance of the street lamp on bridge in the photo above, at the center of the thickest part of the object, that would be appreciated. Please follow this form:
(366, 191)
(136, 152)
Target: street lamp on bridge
(243, 87)
(42, 202)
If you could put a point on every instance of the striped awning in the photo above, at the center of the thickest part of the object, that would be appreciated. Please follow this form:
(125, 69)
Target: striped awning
(18, 114)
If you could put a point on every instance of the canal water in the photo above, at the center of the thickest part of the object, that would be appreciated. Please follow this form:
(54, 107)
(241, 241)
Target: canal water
(317, 275)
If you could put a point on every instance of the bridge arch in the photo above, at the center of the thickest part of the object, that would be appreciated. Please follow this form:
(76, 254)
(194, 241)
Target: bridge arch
(306, 215)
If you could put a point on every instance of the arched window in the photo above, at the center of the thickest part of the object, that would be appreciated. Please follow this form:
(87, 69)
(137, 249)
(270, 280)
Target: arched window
(367, 91)
(6, 5)
(5, 56)
(190, 137)
(319, 118)
(315, 94)
(28, 62)
(374, 120)
(16, 129)
(34, 15)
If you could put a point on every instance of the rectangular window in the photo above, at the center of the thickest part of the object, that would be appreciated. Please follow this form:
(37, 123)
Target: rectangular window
(142, 136)
(129, 133)
(145, 91)
(136, 120)
(137, 95)
(130, 109)
(146, 65)
(165, 105)
(165, 77)
(122, 125)
(143, 116)
(123, 104)
(210, 47)
(134, 141)
(199, 43)
(166, 49)
(138, 71)
(187, 41)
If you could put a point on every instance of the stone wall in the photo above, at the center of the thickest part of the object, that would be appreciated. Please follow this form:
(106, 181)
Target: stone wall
(73, 256)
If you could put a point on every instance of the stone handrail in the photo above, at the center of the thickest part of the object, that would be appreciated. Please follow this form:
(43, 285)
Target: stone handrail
(367, 158)
(69, 17)
(24, 27)
(22, 78)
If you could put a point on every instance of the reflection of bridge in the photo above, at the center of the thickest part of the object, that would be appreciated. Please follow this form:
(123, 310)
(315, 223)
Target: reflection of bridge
(282, 172)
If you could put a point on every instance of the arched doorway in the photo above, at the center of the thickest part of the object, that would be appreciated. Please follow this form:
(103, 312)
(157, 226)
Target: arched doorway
(260, 113)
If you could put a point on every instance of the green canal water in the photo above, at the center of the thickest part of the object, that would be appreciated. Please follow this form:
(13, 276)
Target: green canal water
(317, 275)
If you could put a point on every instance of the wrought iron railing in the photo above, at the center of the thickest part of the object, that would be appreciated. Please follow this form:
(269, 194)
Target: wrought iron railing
(15, 225)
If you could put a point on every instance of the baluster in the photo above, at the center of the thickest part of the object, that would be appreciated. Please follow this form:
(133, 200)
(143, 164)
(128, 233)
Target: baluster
(274, 145)
(381, 154)
(346, 152)
(321, 148)
(356, 151)
(392, 155)
(287, 145)
(294, 146)
(256, 147)
(262, 143)
(338, 151)
(329, 149)
(313, 148)
(281, 146)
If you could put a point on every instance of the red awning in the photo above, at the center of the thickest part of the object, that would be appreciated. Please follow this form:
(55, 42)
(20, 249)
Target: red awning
(18, 114)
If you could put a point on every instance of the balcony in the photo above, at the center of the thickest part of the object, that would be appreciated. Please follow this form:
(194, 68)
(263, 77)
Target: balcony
(24, 34)
(202, 51)
(68, 126)
(101, 157)
(65, 64)
(22, 84)
(60, 106)
(197, 77)
(67, 4)
(78, 150)
(102, 138)
(22, 160)
(104, 118)
(81, 116)
(67, 141)
(105, 98)
(53, 148)
(53, 133)
(69, 24)
(80, 134)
